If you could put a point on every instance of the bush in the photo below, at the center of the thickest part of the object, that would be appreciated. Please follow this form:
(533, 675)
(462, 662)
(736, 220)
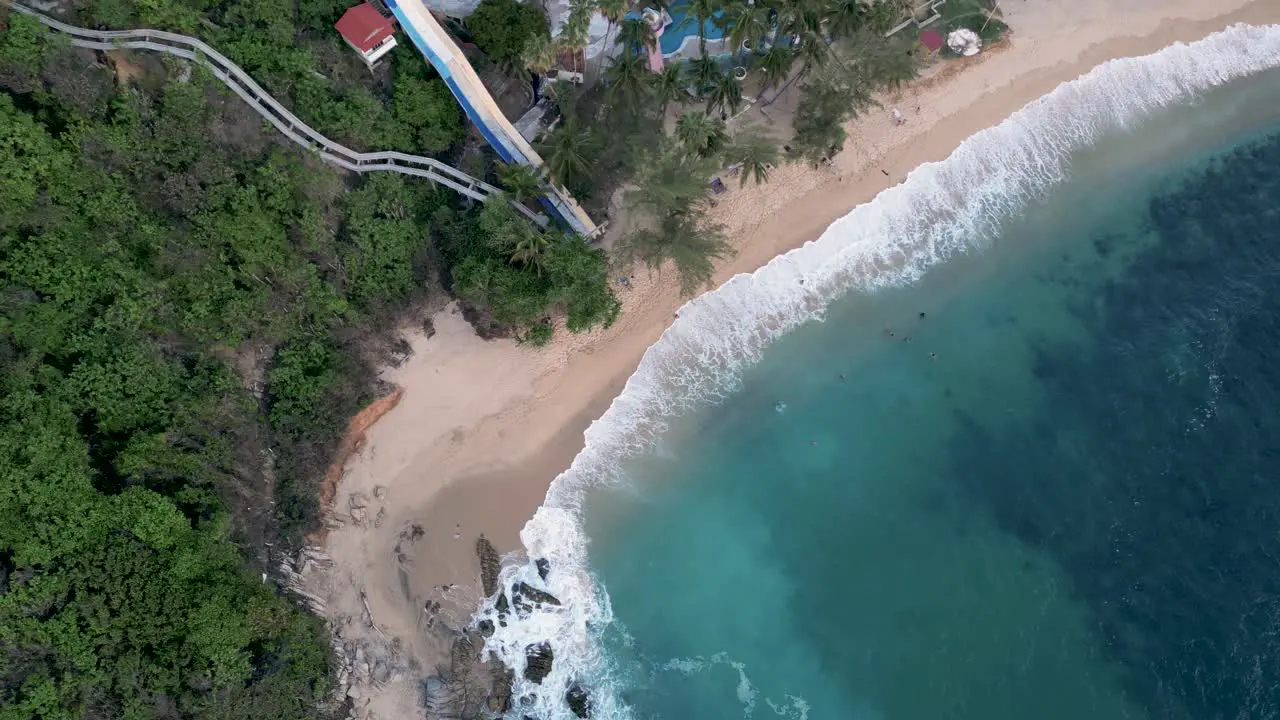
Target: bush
(502, 28)
(429, 111)
(538, 335)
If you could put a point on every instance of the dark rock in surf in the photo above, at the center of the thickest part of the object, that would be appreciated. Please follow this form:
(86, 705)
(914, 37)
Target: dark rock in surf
(526, 597)
(538, 660)
(578, 701)
(490, 564)
(502, 606)
(485, 628)
(544, 568)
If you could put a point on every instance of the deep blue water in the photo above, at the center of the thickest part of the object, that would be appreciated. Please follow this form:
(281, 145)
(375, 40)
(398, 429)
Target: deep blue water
(1040, 483)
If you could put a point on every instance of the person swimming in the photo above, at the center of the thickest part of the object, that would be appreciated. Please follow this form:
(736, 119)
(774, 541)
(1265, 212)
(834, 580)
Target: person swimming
(779, 406)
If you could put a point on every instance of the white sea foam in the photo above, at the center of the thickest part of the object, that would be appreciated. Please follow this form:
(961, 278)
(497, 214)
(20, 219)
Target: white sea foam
(941, 209)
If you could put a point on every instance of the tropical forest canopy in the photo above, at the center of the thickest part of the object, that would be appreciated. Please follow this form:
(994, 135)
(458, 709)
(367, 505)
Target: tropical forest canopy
(190, 310)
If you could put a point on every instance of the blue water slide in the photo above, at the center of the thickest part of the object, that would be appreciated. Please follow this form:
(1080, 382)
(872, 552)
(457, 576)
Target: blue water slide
(446, 57)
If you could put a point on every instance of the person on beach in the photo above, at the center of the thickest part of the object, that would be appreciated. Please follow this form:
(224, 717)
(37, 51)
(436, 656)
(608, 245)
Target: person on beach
(898, 118)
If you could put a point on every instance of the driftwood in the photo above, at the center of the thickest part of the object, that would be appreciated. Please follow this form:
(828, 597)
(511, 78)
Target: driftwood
(368, 616)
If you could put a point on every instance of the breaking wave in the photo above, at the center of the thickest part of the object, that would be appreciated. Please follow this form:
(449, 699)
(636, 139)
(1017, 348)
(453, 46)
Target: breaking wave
(941, 209)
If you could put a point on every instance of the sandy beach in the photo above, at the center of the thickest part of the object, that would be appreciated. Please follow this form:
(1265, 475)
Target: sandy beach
(484, 426)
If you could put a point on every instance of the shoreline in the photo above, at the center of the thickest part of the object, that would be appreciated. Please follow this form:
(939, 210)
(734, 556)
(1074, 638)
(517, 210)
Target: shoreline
(435, 456)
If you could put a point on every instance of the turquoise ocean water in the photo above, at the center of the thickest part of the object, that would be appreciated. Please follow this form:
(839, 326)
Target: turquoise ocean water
(1025, 466)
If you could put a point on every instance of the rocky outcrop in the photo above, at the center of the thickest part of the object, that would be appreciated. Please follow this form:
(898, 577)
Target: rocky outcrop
(578, 701)
(467, 687)
(538, 660)
(526, 597)
(490, 564)
(501, 678)
(463, 653)
(544, 568)
(365, 666)
(468, 684)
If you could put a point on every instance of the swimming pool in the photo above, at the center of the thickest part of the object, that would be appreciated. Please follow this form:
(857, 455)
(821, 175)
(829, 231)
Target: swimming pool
(674, 37)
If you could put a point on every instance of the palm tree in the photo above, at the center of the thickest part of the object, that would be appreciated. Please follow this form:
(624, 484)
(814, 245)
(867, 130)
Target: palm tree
(703, 72)
(884, 14)
(667, 86)
(509, 234)
(522, 181)
(827, 100)
(671, 182)
(573, 36)
(812, 52)
(748, 24)
(886, 63)
(501, 227)
(567, 153)
(702, 11)
(847, 17)
(530, 248)
(755, 152)
(776, 65)
(612, 10)
(627, 82)
(635, 34)
(701, 135)
(565, 94)
(692, 246)
(725, 94)
(539, 54)
(798, 17)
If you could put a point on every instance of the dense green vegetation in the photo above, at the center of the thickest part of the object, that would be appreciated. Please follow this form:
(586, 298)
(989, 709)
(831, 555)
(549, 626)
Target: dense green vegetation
(190, 310)
(502, 29)
(127, 439)
(291, 48)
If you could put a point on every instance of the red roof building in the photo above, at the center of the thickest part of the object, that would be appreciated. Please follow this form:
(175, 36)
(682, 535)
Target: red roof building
(367, 32)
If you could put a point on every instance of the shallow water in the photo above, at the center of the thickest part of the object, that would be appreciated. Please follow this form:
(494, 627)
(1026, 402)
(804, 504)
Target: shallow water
(963, 494)
(1047, 497)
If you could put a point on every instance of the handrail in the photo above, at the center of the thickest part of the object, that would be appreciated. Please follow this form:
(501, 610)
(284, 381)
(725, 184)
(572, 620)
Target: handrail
(269, 108)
